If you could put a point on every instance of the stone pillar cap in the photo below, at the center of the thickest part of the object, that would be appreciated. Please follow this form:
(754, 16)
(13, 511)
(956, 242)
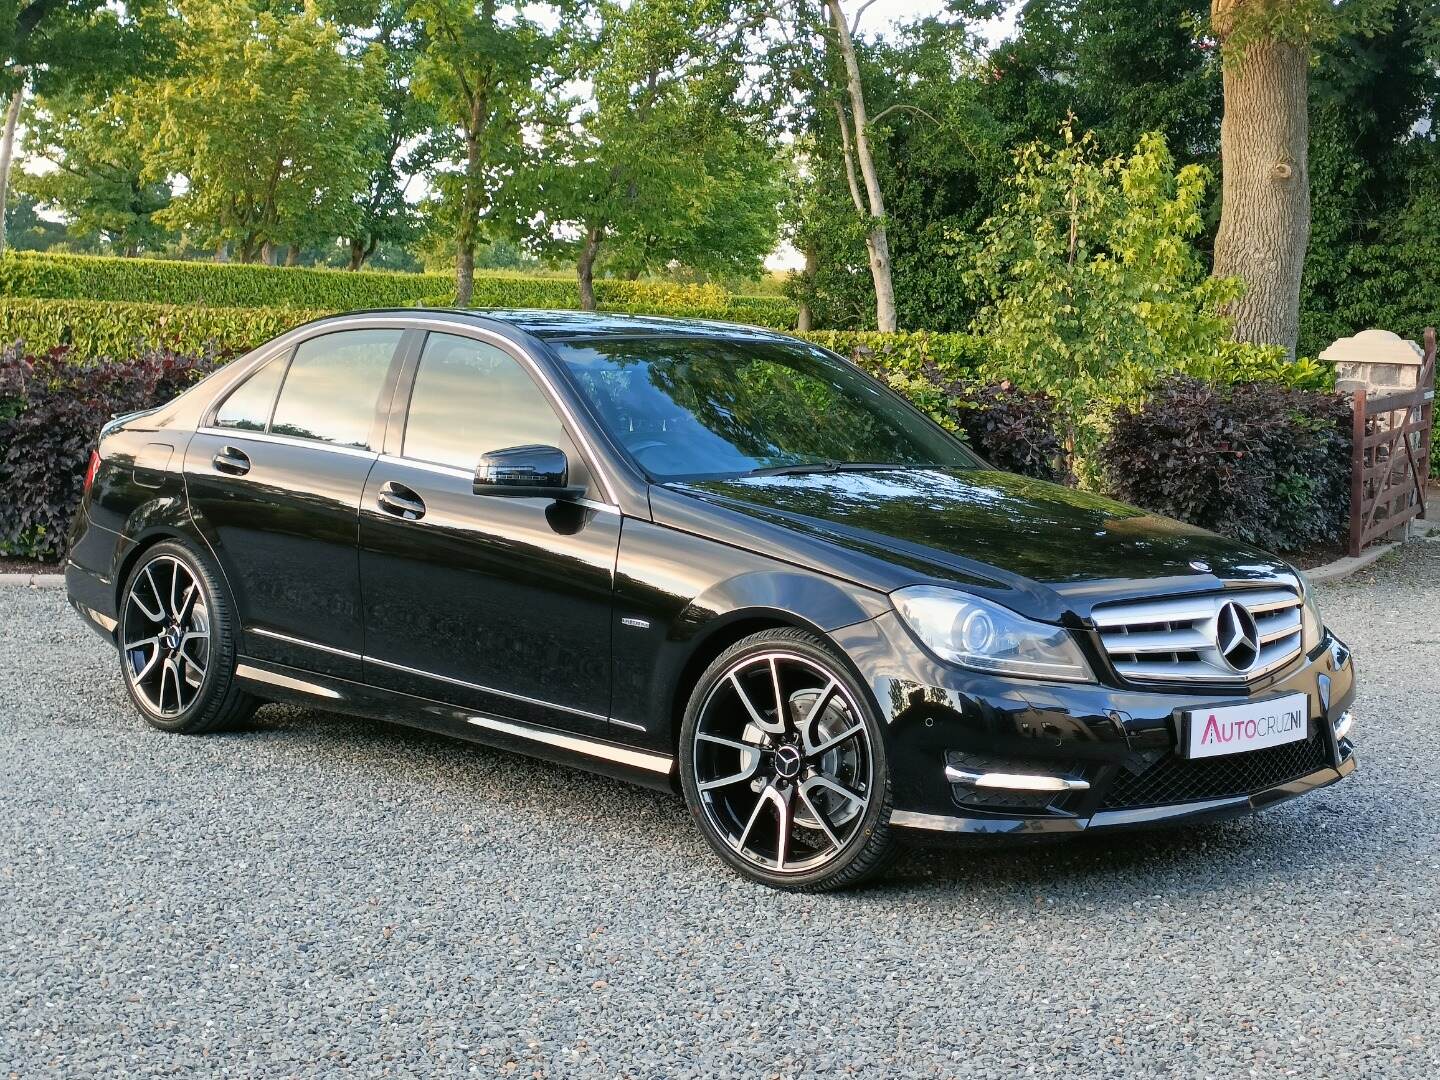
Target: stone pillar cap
(1374, 347)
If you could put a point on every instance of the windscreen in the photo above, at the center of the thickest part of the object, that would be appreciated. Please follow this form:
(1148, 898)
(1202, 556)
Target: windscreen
(693, 408)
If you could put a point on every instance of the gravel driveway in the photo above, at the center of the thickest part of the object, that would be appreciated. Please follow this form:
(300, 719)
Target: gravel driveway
(319, 895)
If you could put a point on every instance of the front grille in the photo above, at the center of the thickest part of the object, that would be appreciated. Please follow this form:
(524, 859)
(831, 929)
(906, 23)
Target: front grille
(1174, 639)
(1150, 781)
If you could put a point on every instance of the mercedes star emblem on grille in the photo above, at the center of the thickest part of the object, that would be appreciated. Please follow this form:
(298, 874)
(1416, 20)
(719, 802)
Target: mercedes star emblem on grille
(1237, 637)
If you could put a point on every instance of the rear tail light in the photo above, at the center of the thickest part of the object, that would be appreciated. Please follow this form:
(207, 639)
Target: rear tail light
(91, 469)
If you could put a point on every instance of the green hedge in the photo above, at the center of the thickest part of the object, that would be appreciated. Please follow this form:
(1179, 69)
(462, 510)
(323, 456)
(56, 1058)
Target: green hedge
(97, 328)
(103, 328)
(34, 275)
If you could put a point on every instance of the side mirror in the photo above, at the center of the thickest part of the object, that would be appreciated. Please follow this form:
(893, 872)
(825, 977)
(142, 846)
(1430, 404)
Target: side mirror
(526, 472)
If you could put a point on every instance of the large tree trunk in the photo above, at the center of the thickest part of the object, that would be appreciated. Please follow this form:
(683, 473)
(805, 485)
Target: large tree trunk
(805, 318)
(464, 273)
(222, 252)
(877, 242)
(7, 154)
(292, 255)
(585, 269)
(1265, 184)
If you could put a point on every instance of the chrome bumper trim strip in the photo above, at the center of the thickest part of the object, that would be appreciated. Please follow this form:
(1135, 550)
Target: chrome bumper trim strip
(1014, 781)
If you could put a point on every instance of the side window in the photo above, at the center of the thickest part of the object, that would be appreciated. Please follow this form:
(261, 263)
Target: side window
(331, 390)
(470, 398)
(248, 405)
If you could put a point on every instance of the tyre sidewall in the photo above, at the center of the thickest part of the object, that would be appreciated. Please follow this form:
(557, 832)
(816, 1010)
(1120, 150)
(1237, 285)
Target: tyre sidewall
(218, 672)
(877, 812)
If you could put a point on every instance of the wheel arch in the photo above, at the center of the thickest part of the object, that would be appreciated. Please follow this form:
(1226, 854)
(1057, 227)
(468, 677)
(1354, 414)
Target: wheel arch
(153, 524)
(750, 603)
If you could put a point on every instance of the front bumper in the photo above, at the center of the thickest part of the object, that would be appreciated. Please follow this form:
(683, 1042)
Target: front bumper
(976, 755)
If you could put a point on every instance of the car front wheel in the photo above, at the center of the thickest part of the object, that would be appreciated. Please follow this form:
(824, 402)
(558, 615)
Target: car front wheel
(783, 765)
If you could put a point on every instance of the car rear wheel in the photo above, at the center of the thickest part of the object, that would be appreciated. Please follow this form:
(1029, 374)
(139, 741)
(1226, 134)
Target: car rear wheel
(783, 765)
(177, 638)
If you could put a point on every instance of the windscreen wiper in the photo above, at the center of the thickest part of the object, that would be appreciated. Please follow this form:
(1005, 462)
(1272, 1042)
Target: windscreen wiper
(828, 467)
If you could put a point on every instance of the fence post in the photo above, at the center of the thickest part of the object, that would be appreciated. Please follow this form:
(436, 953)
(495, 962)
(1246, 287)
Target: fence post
(1357, 470)
(1427, 412)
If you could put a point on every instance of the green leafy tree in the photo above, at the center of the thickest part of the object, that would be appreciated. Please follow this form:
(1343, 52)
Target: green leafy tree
(1092, 281)
(666, 164)
(55, 46)
(389, 37)
(938, 159)
(270, 124)
(93, 145)
(488, 72)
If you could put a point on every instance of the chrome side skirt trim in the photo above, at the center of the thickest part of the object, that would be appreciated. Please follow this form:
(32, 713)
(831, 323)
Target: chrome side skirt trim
(487, 689)
(104, 622)
(277, 636)
(638, 759)
(629, 724)
(274, 678)
(1014, 781)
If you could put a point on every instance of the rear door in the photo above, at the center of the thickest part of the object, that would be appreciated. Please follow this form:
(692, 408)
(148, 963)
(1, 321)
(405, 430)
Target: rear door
(275, 478)
(493, 603)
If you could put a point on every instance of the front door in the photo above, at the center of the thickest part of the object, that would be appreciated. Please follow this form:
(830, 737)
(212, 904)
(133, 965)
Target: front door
(276, 488)
(492, 603)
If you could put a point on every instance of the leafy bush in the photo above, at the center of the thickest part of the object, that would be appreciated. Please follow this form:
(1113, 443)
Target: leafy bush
(1258, 461)
(92, 277)
(902, 357)
(51, 410)
(1093, 286)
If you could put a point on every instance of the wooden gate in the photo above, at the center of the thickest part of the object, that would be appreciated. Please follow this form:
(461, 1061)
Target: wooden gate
(1390, 462)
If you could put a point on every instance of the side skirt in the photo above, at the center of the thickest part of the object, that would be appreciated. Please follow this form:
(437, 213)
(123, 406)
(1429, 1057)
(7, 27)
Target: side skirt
(276, 682)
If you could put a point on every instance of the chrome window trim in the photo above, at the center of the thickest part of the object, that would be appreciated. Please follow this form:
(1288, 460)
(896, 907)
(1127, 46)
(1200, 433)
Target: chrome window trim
(461, 474)
(294, 338)
(639, 759)
(241, 434)
(487, 689)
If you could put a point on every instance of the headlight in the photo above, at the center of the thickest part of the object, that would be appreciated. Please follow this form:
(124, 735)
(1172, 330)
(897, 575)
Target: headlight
(987, 637)
(1312, 627)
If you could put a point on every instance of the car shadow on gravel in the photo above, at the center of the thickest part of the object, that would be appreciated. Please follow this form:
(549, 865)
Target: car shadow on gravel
(1193, 860)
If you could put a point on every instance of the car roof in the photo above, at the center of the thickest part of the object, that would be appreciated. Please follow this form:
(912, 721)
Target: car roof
(561, 325)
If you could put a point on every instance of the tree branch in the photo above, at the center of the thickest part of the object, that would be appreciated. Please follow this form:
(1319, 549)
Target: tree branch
(908, 108)
(855, 22)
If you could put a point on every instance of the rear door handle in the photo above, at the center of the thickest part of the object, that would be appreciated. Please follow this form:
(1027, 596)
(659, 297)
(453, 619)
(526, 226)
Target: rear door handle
(399, 500)
(232, 461)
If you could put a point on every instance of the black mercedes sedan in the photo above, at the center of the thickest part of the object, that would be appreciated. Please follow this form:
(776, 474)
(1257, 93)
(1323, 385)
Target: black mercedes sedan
(705, 557)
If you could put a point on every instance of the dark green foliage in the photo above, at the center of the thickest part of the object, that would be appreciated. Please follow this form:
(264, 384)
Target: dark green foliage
(1260, 462)
(51, 410)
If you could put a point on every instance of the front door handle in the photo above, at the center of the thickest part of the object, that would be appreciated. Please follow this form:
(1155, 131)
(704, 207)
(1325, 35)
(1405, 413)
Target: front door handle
(232, 461)
(399, 500)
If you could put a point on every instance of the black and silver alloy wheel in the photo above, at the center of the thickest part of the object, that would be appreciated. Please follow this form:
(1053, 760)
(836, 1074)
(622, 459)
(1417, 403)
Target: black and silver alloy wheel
(166, 644)
(177, 642)
(783, 766)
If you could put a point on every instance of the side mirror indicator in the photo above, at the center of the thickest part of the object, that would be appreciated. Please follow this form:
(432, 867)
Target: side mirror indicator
(526, 472)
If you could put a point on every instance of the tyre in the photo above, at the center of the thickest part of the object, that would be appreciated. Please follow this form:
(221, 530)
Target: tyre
(177, 635)
(783, 765)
